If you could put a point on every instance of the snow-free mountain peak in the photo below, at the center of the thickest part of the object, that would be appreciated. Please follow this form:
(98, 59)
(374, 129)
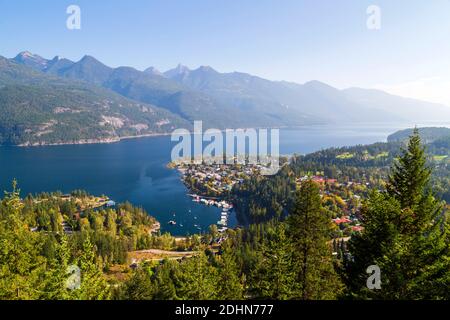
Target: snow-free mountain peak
(177, 71)
(153, 71)
(31, 60)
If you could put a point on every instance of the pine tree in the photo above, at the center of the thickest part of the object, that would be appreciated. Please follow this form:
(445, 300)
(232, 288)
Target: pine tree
(139, 286)
(56, 277)
(93, 284)
(310, 231)
(21, 266)
(198, 279)
(166, 280)
(274, 276)
(405, 235)
(230, 285)
(410, 176)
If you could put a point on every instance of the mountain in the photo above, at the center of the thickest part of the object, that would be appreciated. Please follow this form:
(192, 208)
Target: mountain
(31, 60)
(88, 69)
(236, 99)
(411, 110)
(314, 100)
(37, 108)
(177, 72)
(56, 64)
(160, 90)
(153, 71)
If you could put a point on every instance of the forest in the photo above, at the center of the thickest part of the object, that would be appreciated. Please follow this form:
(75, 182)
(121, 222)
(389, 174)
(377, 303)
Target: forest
(288, 248)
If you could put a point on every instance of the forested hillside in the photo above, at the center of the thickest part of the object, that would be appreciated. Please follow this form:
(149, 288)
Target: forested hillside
(356, 170)
(41, 109)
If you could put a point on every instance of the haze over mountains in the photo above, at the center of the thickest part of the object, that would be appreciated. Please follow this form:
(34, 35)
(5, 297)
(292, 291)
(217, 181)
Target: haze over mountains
(154, 102)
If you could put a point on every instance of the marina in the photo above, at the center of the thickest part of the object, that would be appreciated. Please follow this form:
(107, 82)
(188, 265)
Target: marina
(227, 209)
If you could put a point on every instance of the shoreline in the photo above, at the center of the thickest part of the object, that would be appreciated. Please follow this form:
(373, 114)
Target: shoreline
(88, 141)
(119, 139)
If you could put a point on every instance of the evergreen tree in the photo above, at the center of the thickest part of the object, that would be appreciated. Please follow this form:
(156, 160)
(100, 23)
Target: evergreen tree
(21, 266)
(198, 279)
(310, 233)
(139, 286)
(230, 284)
(166, 280)
(55, 281)
(410, 176)
(274, 276)
(93, 284)
(405, 235)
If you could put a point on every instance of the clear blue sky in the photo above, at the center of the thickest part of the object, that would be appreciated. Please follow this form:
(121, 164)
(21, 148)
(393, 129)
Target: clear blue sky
(293, 40)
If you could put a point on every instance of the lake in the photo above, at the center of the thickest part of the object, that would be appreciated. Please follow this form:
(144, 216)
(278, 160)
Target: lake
(135, 170)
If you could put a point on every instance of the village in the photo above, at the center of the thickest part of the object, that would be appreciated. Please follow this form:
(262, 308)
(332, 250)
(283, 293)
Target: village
(343, 200)
(214, 180)
(209, 184)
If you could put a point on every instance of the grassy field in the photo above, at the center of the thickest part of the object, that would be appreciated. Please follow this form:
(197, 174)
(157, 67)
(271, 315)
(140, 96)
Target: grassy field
(382, 155)
(439, 158)
(345, 156)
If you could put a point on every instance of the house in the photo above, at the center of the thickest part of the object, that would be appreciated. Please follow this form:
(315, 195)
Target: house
(339, 221)
(318, 179)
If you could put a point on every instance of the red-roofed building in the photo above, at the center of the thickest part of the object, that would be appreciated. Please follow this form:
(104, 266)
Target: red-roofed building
(342, 220)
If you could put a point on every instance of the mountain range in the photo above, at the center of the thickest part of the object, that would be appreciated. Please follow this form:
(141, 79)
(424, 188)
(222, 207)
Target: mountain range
(61, 101)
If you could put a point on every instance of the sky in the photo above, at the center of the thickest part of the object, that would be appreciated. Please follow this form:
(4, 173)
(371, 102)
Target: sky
(292, 40)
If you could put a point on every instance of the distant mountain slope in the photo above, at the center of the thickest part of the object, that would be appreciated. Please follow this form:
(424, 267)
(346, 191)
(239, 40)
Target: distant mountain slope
(230, 100)
(428, 134)
(31, 60)
(315, 99)
(404, 108)
(41, 109)
(191, 104)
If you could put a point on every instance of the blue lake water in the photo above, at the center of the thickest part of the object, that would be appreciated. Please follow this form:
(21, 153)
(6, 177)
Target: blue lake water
(135, 170)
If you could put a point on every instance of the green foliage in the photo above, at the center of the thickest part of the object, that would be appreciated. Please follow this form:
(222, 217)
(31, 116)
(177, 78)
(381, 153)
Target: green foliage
(93, 284)
(405, 234)
(284, 252)
(310, 229)
(274, 276)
